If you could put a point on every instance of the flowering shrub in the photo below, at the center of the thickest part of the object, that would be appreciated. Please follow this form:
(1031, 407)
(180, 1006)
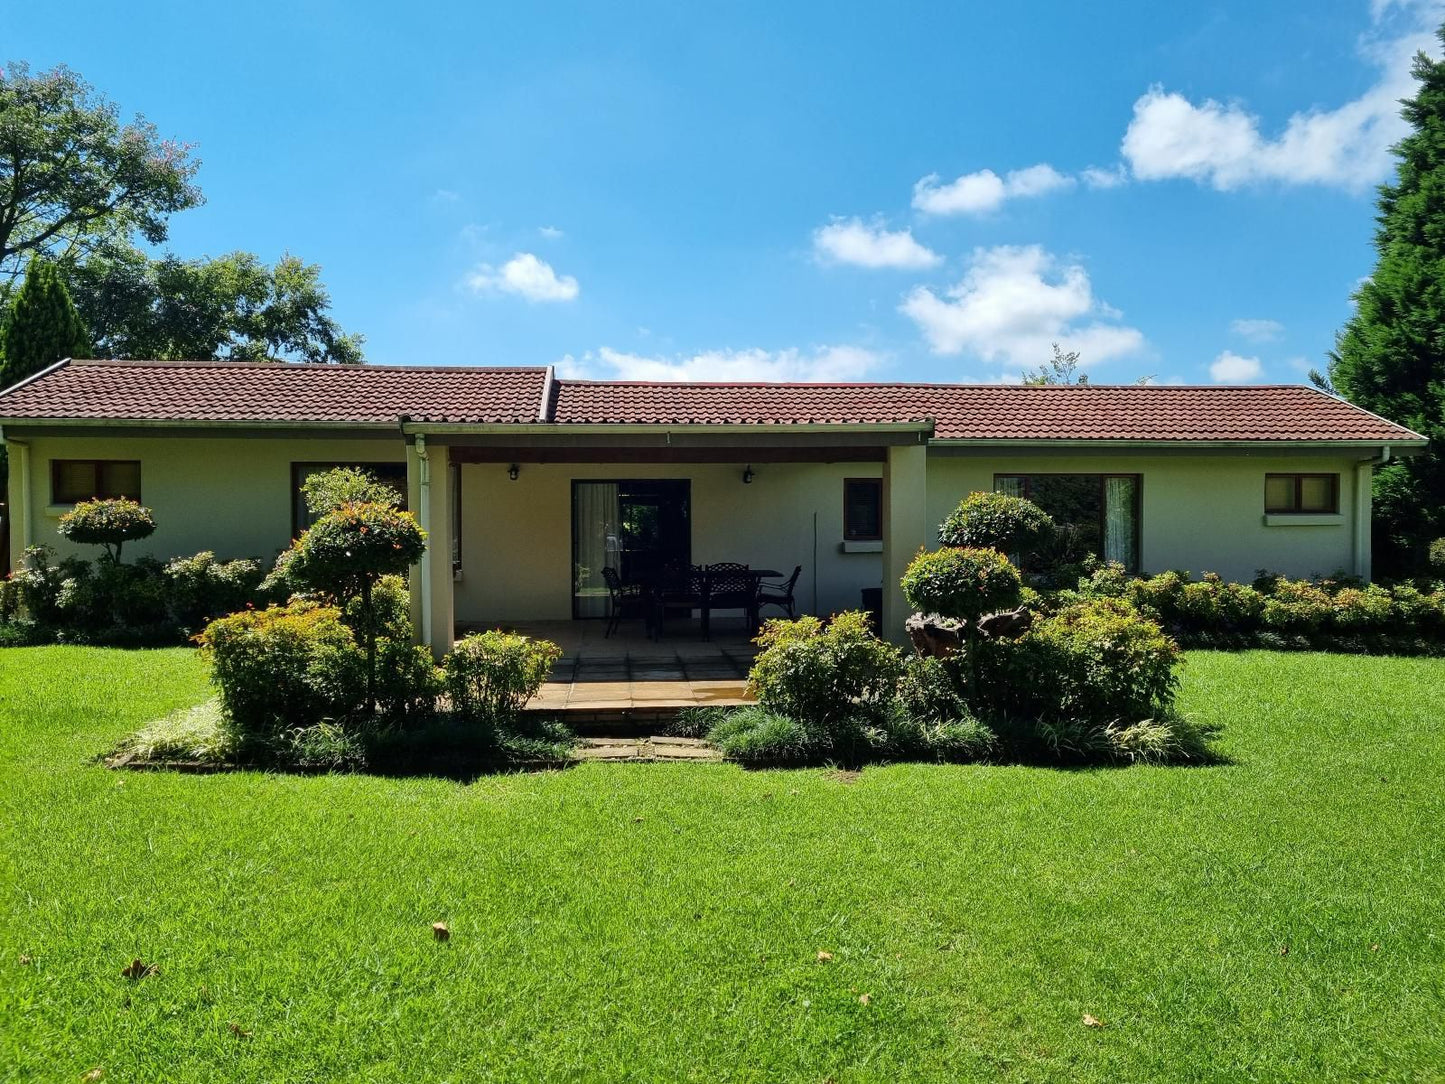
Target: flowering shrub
(108, 523)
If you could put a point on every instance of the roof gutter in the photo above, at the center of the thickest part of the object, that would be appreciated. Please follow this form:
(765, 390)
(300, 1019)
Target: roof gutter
(593, 428)
(1414, 441)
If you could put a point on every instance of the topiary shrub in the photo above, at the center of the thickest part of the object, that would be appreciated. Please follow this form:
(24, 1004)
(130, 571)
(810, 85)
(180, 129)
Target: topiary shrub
(928, 691)
(281, 668)
(824, 674)
(107, 523)
(490, 676)
(1436, 557)
(963, 583)
(997, 521)
(328, 490)
(349, 549)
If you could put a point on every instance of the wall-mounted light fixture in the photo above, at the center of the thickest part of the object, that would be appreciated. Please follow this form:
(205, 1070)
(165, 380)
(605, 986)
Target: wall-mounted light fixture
(748, 475)
(513, 471)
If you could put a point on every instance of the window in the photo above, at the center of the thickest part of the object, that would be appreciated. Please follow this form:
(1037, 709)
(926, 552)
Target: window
(1096, 513)
(1302, 493)
(862, 509)
(73, 480)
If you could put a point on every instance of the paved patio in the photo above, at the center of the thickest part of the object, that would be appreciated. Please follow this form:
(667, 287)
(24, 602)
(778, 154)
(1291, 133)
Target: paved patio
(630, 676)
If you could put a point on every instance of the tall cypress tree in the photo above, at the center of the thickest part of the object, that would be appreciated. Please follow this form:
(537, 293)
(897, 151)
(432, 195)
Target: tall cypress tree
(1390, 357)
(41, 326)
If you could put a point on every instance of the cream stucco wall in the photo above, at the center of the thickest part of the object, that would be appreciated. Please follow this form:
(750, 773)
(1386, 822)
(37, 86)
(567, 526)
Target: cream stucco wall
(1200, 513)
(232, 495)
(517, 536)
(227, 494)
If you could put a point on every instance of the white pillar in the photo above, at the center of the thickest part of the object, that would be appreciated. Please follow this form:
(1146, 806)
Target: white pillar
(17, 501)
(905, 528)
(432, 610)
(1364, 492)
(413, 502)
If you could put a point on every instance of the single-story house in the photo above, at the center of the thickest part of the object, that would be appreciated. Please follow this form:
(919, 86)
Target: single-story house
(529, 485)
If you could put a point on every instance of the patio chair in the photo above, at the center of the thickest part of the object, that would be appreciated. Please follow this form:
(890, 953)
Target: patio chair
(627, 600)
(780, 593)
(730, 586)
(677, 588)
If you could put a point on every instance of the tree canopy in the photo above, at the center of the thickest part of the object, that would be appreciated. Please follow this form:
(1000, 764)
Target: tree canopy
(40, 327)
(83, 189)
(1390, 356)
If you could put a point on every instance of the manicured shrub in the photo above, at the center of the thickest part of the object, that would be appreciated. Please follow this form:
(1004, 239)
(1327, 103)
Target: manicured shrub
(997, 521)
(350, 548)
(1096, 662)
(928, 691)
(963, 583)
(490, 676)
(9, 598)
(327, 491)
(824, 674)
(201, 587)
(755, 735)
(107, 523)
(109, 602)
(1298, 607)
(1436, 557)
(281, 668)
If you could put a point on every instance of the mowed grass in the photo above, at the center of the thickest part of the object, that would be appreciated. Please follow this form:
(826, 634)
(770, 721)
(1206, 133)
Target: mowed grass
(1277, 917)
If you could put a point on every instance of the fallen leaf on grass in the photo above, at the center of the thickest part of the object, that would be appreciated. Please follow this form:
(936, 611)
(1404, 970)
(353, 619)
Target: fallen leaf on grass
(1284, 950)
(440, 932)
(638, 820)
(25, 960)
(138, 969)
(235, 1029)
(824, 957)
(865, 999)
(95, 1074)
(1092, 1021)
(1374, 948)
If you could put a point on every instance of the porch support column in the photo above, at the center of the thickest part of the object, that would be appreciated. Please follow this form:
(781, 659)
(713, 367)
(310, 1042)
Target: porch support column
(17, 507)
(905, 528)
(432, 611)
(414, 576)
(1364, 492)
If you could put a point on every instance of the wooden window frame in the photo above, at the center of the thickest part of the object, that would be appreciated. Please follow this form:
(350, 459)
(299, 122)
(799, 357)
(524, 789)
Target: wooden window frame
(98, 464)
(876, 484)
(1136, 564)
(1299, 479)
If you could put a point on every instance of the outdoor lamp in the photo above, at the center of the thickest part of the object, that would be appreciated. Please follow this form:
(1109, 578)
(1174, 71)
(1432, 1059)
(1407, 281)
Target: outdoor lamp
(513, 471)
(748, 475)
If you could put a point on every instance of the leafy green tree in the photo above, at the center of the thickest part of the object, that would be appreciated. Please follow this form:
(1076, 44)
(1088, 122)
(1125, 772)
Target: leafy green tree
(1062, 368)
(40, 327)
(234, 308)
(1390, 356)
(74, 179)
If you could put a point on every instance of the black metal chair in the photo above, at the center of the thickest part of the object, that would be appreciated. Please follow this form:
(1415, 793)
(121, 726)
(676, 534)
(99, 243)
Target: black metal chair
(677, 588)
(627, 600)
(776, 593)
(730, 586)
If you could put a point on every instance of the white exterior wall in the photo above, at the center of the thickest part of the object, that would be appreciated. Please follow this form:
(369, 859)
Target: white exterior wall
(233, 495)
(1200, 513)
(227, 494)
(517, 536)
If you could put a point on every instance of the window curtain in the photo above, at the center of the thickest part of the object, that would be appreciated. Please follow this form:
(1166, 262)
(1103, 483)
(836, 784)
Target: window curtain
(1121, 521)
(595, 545)
(1010, 484)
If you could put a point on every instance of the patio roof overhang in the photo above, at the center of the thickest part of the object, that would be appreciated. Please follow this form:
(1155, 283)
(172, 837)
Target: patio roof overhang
(715, 443)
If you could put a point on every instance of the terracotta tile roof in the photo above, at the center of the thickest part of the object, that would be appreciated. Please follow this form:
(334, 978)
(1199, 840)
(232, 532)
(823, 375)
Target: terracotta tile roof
(375, 395)
(273, 392)
(993, 411)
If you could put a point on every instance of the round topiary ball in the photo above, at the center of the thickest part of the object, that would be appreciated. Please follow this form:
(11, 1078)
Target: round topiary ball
(965, 582)
(997, 521)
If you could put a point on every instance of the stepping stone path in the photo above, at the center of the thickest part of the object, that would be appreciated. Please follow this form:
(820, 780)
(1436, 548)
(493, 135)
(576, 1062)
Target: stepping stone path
(648, 748)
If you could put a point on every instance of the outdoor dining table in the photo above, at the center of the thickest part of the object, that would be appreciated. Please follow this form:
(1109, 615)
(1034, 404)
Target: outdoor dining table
(700, 599)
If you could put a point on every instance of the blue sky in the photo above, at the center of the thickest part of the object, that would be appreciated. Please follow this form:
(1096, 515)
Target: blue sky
(795, 191)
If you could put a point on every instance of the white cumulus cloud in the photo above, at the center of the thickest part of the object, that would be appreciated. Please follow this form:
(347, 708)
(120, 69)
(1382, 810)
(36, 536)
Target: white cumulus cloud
(1013, 303)
(755, 365)
(984, 191)
(1224, 145)
(852, 241)
(1258, 331)
(1232, 368)
(526, 276)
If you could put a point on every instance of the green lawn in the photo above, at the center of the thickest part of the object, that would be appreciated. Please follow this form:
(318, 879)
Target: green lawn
(1279, 917)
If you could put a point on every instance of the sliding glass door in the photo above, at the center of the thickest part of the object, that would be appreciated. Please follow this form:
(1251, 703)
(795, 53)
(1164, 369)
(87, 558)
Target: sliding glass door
(638, 527)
